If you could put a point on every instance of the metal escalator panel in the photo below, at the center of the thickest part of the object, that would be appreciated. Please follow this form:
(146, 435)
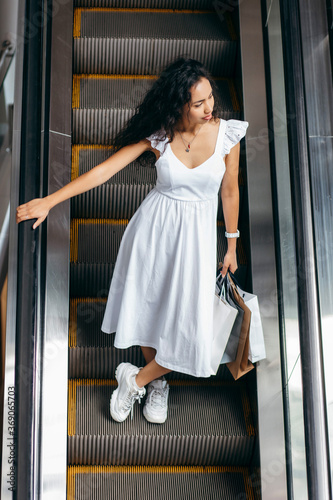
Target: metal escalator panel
(208, 446)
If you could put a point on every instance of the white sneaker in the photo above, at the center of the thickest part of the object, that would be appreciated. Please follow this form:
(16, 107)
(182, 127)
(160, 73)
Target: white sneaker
(155, 409)
(127, 392)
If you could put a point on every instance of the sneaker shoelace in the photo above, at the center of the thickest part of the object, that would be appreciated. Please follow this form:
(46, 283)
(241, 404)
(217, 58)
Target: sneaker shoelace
(158, 397)
(130, 400)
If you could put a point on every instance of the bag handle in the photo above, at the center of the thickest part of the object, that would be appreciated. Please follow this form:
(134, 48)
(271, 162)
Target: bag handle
(234, 279)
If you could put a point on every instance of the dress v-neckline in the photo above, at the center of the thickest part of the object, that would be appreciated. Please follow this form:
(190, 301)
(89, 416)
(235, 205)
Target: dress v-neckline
(211, 156)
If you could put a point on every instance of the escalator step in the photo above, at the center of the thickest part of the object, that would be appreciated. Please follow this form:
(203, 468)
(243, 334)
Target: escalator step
(123, 193)
(84, 158)
(219, 431)
(119, 197)
(97, 241)
(103, 104)
(147, 4)
(126, 92)
(165, 483)
(143, 43)
(93, 279)
(94, 250)
(91, 351)
(101, 362)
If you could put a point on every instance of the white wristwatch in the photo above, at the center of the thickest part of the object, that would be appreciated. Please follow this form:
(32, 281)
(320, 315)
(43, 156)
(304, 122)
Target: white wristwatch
(232, 235)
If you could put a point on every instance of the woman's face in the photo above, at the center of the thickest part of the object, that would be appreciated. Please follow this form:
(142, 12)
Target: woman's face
(199, 109)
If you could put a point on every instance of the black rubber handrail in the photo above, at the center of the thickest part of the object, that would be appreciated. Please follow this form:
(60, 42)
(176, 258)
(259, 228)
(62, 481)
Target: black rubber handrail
(31, 265)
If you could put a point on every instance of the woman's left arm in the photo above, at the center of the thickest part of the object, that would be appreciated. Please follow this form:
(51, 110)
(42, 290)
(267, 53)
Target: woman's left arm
(230, 202)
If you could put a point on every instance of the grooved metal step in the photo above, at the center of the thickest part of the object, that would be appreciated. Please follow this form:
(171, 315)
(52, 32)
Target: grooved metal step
(93, 279)
(101, 362)
(98, 240)
(91, 351)
(208, 423)
(103, 105)
(123, 193)
(143, 43)
(147, 4)
(94, 249)
(114, 91)
(120, 196)
(164, 483)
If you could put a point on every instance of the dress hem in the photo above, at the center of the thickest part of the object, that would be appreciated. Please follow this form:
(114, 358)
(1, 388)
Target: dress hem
(164, 364)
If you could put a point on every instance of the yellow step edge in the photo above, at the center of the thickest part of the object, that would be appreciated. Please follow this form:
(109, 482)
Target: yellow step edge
(73, 303)
(233, 95)
(74, 232)
(75, 163)
(73, 470)
(231, 28)
(153, 469)
(247, 411)
(73, 384)
(71, 408)
(76, 148)
(72, 328)
(138, 9)
(248, 485)
(77, 382)
(77, 23)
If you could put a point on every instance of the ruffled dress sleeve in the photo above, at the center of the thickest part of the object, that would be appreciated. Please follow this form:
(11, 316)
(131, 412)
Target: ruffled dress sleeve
(234, 132)
(158, 143)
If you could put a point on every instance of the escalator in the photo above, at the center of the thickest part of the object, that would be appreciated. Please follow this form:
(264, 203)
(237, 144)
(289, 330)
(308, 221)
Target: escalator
(56, 357)
(208, 447)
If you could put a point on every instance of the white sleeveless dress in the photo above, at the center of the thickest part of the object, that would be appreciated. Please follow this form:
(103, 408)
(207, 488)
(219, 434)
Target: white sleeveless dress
(163, 285)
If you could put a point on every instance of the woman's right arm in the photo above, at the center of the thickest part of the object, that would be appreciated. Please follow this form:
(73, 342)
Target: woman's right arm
(40, 207)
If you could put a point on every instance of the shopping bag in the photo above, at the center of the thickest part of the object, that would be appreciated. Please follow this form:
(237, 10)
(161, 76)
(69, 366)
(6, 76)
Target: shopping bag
(241, 365)
(230, 351)
(224, 316)
(223, 286)
(257, 344)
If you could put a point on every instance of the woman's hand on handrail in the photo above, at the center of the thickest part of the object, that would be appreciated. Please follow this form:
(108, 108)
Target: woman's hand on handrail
(34, 209)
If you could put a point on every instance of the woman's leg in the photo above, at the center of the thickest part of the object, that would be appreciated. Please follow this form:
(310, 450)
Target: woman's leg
(150, 372)
(148, 353)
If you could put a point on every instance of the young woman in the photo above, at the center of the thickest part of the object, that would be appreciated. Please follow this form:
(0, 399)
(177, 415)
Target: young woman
(163, 285)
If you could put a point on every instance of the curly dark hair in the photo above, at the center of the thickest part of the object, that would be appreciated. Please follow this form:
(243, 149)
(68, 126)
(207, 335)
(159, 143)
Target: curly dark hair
(162, 106)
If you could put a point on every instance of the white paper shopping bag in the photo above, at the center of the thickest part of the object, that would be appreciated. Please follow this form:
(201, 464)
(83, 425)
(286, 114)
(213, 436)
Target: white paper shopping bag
(257, 344)
(224, 316)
